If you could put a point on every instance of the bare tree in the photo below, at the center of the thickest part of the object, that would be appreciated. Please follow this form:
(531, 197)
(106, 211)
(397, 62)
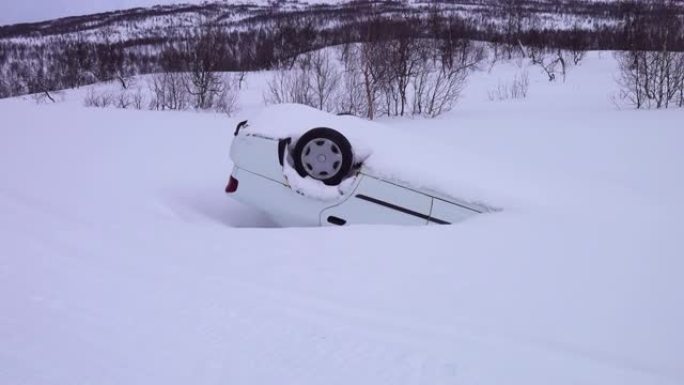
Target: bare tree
(554, 61)
(444, 88)
(441, 82)
(313, 80)
(290, 86)
(351, 100)
(138, 99)
(651, 79)
(241, 79)
(547, 60)
(205, 55)
(325, 80)
(374, 74)
(630, 78)
(169, 92)
(405, 58)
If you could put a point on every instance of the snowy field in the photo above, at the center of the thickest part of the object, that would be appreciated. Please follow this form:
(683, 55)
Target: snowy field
(123, 262)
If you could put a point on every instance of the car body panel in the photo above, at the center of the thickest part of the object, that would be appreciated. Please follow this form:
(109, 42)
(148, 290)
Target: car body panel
(375, 201)
(257, 154)
(450, 212)
(279, 201)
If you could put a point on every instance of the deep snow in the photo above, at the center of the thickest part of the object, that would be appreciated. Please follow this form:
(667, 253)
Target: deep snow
(123, 262)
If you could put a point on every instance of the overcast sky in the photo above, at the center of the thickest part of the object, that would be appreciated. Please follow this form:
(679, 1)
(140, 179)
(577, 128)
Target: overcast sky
(19, 11)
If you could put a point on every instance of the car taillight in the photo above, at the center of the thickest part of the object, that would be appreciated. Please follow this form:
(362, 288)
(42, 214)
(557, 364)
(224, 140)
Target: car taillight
(232, 185)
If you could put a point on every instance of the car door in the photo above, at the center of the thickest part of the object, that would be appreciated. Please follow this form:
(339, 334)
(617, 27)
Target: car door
(445, 212)
(375, 201)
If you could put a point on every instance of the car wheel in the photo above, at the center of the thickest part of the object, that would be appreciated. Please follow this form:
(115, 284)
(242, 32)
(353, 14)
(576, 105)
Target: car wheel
(324, 154)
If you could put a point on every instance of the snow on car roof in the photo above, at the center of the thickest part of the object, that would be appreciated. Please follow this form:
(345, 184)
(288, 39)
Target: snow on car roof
(408, 158)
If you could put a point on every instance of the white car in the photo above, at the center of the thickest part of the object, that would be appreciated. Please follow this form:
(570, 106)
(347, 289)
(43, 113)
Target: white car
(318, 178)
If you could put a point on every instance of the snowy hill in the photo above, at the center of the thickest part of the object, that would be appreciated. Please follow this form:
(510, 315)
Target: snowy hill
(146, 25)
(123, 262)
(182, 15)
(75, 51)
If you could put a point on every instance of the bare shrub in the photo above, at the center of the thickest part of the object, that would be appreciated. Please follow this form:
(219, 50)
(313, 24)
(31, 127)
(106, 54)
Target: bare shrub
(497, 54)
(288, 86)
(204, 87)
(313, 80)
(520, 85)
(517, 89)
(363, 83)
(138, 99)
(169, 92)
(226, 101)
(406, 76)
(106, 99)
(394, 77)
(420, 83)
(577, 56)
(633, 88)
(98, 99)
(501, 92)
(90, 98)
(123, 100)
(375, 75)
(444, 87)
(440, 81)
(404, 61)
(651, 79)
(176, 91)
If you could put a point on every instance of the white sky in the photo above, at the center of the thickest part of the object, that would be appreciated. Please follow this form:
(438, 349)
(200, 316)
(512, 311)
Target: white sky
(19, 11)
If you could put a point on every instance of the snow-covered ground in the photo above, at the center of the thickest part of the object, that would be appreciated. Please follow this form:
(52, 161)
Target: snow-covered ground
(123, 262)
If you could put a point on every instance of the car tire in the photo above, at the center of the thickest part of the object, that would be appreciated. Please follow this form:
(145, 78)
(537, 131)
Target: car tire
(323, 154)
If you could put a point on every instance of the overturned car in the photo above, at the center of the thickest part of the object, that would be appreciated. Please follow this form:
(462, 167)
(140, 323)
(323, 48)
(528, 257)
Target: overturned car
(311, 174)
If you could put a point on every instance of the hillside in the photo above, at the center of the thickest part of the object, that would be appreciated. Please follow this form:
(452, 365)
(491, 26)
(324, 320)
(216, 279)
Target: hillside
(142, 23)
(74, 51)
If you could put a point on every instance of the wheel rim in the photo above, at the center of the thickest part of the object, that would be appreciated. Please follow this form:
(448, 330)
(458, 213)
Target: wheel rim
(321, 158)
